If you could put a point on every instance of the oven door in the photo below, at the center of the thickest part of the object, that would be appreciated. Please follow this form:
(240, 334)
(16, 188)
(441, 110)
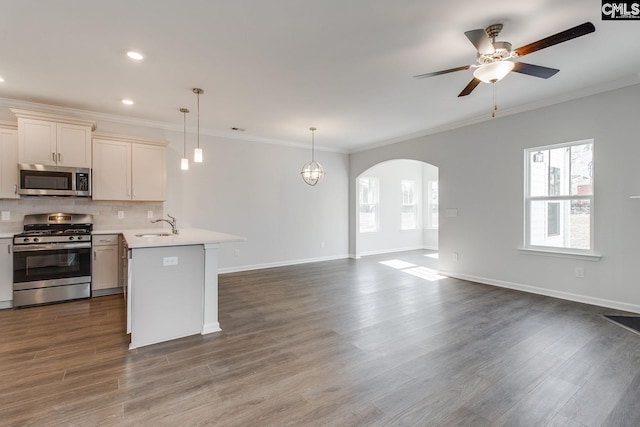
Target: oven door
(36, 266)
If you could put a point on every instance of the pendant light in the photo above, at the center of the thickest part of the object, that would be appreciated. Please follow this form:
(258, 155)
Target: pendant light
(312, 172)
(197, 153)
(184, 163)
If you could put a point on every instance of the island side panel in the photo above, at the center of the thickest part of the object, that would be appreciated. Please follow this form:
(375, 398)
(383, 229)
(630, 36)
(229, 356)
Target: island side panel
(166, 293)
(210, 310)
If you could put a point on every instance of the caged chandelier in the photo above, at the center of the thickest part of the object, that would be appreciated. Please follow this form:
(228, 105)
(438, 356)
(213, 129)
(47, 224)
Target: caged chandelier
(312, 171)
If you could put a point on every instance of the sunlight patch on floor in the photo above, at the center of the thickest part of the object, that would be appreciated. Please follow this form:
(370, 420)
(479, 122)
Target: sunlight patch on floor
(424, 273)
(434, 256)
(397, 264)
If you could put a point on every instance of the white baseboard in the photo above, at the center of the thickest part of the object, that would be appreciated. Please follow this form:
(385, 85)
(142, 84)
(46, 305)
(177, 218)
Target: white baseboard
(6, 304)
(209, 328)
(279, 264)
(618, 305)
(430, 248)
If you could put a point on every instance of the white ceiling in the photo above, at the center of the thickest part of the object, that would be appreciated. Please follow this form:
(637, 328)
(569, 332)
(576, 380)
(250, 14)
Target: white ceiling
(278, 67)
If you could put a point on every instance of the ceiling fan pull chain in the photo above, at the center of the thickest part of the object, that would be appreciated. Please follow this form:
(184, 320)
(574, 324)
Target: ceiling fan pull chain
(495, 105)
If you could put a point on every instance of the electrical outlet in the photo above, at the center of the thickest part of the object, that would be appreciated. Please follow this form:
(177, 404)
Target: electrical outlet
(120, 214)
(149, 214)
(579, 272)
(6, 215)
(169, 260)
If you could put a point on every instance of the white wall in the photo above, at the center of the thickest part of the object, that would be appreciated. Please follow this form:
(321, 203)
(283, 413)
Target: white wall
(429, 233)
(389, 237)
(255, 190)
(481, 175)
(245, 188)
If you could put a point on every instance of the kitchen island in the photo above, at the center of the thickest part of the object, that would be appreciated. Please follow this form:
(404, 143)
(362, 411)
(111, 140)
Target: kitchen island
(172, 291)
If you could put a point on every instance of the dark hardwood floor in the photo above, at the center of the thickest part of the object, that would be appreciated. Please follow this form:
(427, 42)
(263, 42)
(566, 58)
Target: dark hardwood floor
(340, 343)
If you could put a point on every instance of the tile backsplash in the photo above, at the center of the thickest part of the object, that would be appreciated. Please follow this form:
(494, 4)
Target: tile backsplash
(105, 213)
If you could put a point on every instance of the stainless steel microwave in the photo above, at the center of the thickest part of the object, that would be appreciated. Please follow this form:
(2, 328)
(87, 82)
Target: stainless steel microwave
(44, 180)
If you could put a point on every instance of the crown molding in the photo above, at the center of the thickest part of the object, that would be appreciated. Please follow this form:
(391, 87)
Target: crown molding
(67, 112)
(630, 80)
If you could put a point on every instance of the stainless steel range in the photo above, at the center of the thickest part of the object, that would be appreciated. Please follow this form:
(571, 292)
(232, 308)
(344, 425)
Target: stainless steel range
(52, 259)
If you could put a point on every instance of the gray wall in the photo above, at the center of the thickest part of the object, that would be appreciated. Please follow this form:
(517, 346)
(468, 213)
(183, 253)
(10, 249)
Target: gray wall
(481, 175)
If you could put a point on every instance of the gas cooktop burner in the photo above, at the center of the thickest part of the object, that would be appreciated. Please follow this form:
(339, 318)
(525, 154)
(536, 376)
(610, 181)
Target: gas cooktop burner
(55, 228)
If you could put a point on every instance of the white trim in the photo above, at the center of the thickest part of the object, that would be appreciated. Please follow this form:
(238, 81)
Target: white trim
(581, 93)
(281, 263)
(154, 124)
(601, 302)
(558, 254)
(6, 304)
(42, 115)
(130, 139)
(430, 248)
(209, 328)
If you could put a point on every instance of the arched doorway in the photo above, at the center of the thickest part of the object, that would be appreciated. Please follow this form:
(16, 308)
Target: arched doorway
(396, 207)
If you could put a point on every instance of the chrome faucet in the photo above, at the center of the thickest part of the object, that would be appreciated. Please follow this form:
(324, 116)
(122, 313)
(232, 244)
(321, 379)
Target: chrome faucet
(172, 223)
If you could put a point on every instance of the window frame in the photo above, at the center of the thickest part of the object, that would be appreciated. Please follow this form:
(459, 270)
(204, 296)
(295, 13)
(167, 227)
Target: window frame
(528, 199)
(375, 204)
(430, 224)
(413, 203)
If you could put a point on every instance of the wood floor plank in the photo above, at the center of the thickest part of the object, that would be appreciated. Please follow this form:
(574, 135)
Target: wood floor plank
(336, 343)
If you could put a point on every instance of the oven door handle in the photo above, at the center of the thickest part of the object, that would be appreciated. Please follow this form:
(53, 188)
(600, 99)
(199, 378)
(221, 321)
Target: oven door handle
(50, 247)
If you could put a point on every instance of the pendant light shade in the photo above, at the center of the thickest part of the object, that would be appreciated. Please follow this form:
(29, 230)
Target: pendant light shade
(312, 172)
(184, 163)
(197, 152)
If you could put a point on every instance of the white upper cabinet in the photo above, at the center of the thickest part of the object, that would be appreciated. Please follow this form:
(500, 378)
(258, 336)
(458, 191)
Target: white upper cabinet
(53, 140)
(8, 164)
(124, 169)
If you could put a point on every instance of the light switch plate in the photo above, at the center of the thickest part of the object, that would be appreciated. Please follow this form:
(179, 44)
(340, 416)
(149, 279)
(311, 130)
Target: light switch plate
(149, 214)
(120, 214)
(6, 215)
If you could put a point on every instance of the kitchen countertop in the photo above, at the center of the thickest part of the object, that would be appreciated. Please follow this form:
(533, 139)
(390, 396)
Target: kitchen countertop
(187, 236)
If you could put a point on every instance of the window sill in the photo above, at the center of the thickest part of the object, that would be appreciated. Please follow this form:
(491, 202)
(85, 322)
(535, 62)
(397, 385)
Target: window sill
(559, 254)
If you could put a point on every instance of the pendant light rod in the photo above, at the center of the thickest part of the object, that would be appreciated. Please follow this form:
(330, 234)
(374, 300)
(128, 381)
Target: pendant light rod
(313, 142)
(184, 163)
(197, 153)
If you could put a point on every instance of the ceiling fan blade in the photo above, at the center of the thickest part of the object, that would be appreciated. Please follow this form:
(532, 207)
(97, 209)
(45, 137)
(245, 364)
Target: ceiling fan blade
(534, 70)
(566, 35)
(480, 40)
(470, 87)
(437, 73)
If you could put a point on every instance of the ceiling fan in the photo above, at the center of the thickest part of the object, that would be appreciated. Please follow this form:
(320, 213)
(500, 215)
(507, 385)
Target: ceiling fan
(494, 57)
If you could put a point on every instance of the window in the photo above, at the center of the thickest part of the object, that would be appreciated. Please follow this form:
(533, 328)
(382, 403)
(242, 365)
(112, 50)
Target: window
(409, 209)
(432, 205)
(369, 200)
(559, 197)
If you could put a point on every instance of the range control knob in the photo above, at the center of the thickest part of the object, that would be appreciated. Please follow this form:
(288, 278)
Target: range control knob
(26, 240)
(35, 239)
(70, 237)
(79, 238)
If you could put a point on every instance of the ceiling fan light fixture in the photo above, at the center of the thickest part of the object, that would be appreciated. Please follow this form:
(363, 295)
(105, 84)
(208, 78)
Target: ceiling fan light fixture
(493, 72)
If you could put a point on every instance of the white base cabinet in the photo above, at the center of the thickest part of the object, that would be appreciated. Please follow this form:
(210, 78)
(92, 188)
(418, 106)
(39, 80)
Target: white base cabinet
(6, 273)
(105, 267)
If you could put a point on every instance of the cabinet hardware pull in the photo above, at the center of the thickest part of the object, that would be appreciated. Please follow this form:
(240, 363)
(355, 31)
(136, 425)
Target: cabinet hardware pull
(53, 157)
(59, 158)
(15, 188)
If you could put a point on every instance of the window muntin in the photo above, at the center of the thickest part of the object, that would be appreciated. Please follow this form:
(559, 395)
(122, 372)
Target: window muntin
(409, 208)
(559, 197)
(369, 204)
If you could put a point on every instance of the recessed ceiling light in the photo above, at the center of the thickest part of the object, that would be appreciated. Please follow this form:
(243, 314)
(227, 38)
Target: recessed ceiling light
(127, 102)
(135, 55)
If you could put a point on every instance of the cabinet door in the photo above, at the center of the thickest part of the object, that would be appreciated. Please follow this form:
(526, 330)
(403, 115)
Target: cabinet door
(8, 164)
(73, 145)
(148, 172)
(104, 270)
(111, 172)
(6, 271)
(37, 141)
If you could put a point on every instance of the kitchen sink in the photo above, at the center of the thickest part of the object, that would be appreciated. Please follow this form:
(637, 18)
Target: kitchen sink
(154, 235)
